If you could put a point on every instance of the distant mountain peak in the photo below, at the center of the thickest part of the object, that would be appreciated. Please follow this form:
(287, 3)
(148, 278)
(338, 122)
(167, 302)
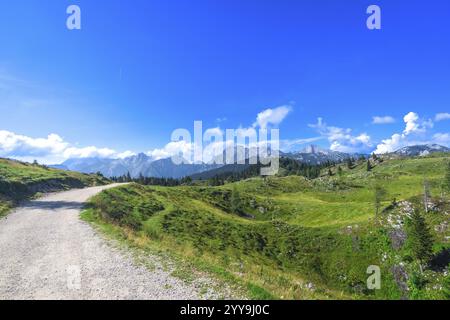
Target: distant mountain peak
(315, 155)
(314, 149)
(421, 150)
(135, 165)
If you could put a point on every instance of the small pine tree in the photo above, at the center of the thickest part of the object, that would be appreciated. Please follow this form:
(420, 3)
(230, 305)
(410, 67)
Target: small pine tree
(379, 194)
(236, 205)
(369, 166)
(330, 173)
(350, 163)
(420, 238)
(426, 194)
(340, 172)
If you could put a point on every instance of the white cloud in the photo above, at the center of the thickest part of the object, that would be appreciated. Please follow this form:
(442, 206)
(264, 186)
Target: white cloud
(126, 154)
(342, 139)
(392, 144)
(413, 134)
(442, 116)
(12, 144)
(172, 149)
(415, 125)
(441, 138)
(272, 116)
(89, 152)
(291, 145)
(411, 123)
(383, 120)
(51, 149)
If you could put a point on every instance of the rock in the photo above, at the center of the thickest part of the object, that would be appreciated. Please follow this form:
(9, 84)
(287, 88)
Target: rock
(401, 278)
(398, 238)
(442, 228)
(310, 286)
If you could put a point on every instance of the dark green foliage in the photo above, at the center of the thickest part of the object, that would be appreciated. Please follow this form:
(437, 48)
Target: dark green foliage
(151, 181)
(294, 167)
(379, 194)
(288, 166)
(236, 203)
(420, 238)
(350, 163)
(369, 166)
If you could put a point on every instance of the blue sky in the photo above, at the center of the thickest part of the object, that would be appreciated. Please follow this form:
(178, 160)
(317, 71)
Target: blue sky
(137, 70)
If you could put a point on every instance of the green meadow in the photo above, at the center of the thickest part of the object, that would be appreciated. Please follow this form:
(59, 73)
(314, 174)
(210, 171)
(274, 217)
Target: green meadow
(293, 238)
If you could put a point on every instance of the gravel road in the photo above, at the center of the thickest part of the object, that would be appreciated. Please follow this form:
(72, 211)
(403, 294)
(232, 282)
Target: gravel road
(47, 252)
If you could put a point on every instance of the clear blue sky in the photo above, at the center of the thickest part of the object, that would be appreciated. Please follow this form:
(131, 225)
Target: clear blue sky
(140, 69)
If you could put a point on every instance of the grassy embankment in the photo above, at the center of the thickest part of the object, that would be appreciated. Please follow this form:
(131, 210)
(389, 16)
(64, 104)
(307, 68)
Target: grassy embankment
(295, 238)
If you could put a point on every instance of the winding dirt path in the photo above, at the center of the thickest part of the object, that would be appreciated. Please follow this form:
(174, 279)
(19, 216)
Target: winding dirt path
(47, 252)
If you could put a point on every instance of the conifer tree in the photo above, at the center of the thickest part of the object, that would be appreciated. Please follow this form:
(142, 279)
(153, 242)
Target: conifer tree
(426, 194)
(379, 194)
(420, 238)
(236, 204)
(350, 163)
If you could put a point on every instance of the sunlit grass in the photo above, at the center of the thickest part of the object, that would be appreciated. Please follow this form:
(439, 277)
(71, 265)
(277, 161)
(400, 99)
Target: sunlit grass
(293, 242)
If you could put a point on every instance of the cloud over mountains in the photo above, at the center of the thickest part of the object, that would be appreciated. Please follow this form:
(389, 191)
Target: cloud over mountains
(417, 130)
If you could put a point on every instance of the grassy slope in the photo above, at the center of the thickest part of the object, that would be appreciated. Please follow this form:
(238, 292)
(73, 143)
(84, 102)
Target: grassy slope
(20, 181)
(299, 233)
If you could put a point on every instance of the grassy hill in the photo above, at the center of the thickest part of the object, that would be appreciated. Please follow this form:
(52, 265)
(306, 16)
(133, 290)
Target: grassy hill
(19, 181)
(294, 238)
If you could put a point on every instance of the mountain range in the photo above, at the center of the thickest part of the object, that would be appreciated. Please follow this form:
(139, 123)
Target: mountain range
(420, 150)
(142, 164)
(135, 166)
(316, 155)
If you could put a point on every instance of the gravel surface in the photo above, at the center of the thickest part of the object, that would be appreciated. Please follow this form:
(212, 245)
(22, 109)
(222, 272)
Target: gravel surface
(47, 252)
